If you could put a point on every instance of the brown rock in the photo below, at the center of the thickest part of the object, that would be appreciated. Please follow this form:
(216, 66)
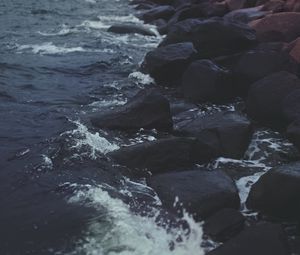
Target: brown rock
(235, 4)
(294, 49)
(278, 27)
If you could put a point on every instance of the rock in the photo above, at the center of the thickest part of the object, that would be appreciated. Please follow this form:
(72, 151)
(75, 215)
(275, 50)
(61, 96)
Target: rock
(166, 64)
(230, 37)
(202, 192)
(130, 29)
(292, 6)
(258, 63)
(277, 193)
(159, 12)
(235, 4)
(227, 133)
(224, 224)
(278, 27)
(293, 133)
(246, 15)
(204, 81)
(148, 109)
(266, 96)
(263, 239)
(294, 50)
(274, 6)
(291, 106)
(163, 155)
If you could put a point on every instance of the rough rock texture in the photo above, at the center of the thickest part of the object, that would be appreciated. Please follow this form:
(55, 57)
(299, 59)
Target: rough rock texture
(201, 191)
(227, 133)
(204, 81)
(277, 193)
(166, 64)
(163, 155)
(148, 109)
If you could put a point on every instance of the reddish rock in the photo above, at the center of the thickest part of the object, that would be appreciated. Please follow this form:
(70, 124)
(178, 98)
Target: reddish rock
(235, 4)
(278, 27)
(292, 5)
(294, 50)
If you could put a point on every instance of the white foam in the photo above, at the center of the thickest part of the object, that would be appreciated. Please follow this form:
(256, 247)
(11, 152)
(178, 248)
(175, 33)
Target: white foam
(65, 30)
(108, 103)
(94, 24)
(140, 78)
(127, 233)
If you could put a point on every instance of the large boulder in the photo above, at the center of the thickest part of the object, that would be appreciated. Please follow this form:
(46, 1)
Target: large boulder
(246, 15)
(163, 155)
(201, 192)
(204, 81)
(293, 133)
(159, 12)
(212, 37)
(293, 49)
(263, 239)
(166, 64)
(130, 29)
(291, 106)
(148, 109)
(278, 27)
(224, 224)
(277, 193)
(266, 96)
(227, 133)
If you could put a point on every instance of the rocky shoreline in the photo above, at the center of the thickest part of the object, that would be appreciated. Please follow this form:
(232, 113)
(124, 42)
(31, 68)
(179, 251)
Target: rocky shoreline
(242, 52)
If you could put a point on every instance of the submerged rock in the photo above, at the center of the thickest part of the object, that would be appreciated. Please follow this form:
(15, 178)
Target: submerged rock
(256, 240)
(148, 109)
(277, 193)
(204, 81)
(163, 155)
(212, 37)
(227, 133)
(166, 64)
(202, 192)
(130, 29)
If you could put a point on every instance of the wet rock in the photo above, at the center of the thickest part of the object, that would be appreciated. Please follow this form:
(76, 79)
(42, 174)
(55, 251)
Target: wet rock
(212, 37)
(294, 50)
(130, 29)
(163, 155)
(224, 224)
(266, 96)
(166, 64)
(235, 4)
(246, 15)
(159, 12)
(278, 27)
(204, 81)
(293, 133)
(148, 109)
(227, 133)
(291, 106)
(201, 192)
(259, 240)
(277, 193)
(256, 64)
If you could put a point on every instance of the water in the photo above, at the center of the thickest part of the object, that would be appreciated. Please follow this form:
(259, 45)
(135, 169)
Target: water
(59, 193)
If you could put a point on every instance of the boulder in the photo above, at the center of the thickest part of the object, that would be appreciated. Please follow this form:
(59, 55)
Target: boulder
(246, 15)
(235, 4)
(277, 193)
(291, 106)
(204, 81)
(266, 96)
(159, 12)
(212, 37)
(130, 29)
(293, 133)
(167, 64)
(227, 133)
(224, 224)
(163, 155)
(201, 192)
(278, 27)
(263, 239)
(294, 50)
(148, 109)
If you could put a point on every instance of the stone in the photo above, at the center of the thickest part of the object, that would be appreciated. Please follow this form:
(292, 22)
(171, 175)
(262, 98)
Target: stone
(130, 29)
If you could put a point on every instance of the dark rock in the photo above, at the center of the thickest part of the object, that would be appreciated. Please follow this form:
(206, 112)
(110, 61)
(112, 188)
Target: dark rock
(291, 106)
(148, 109)
(130, 29)
(261, 239)
(159, 12)
(277, 193)
(204, 81)
(227, 133)
(212, 37)
(163, 155)
(293, 133)
(166, 64)
(266, 97)
(293, 49)
(224, 224)
(245, 15)
(201, 192)
(278, 27)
